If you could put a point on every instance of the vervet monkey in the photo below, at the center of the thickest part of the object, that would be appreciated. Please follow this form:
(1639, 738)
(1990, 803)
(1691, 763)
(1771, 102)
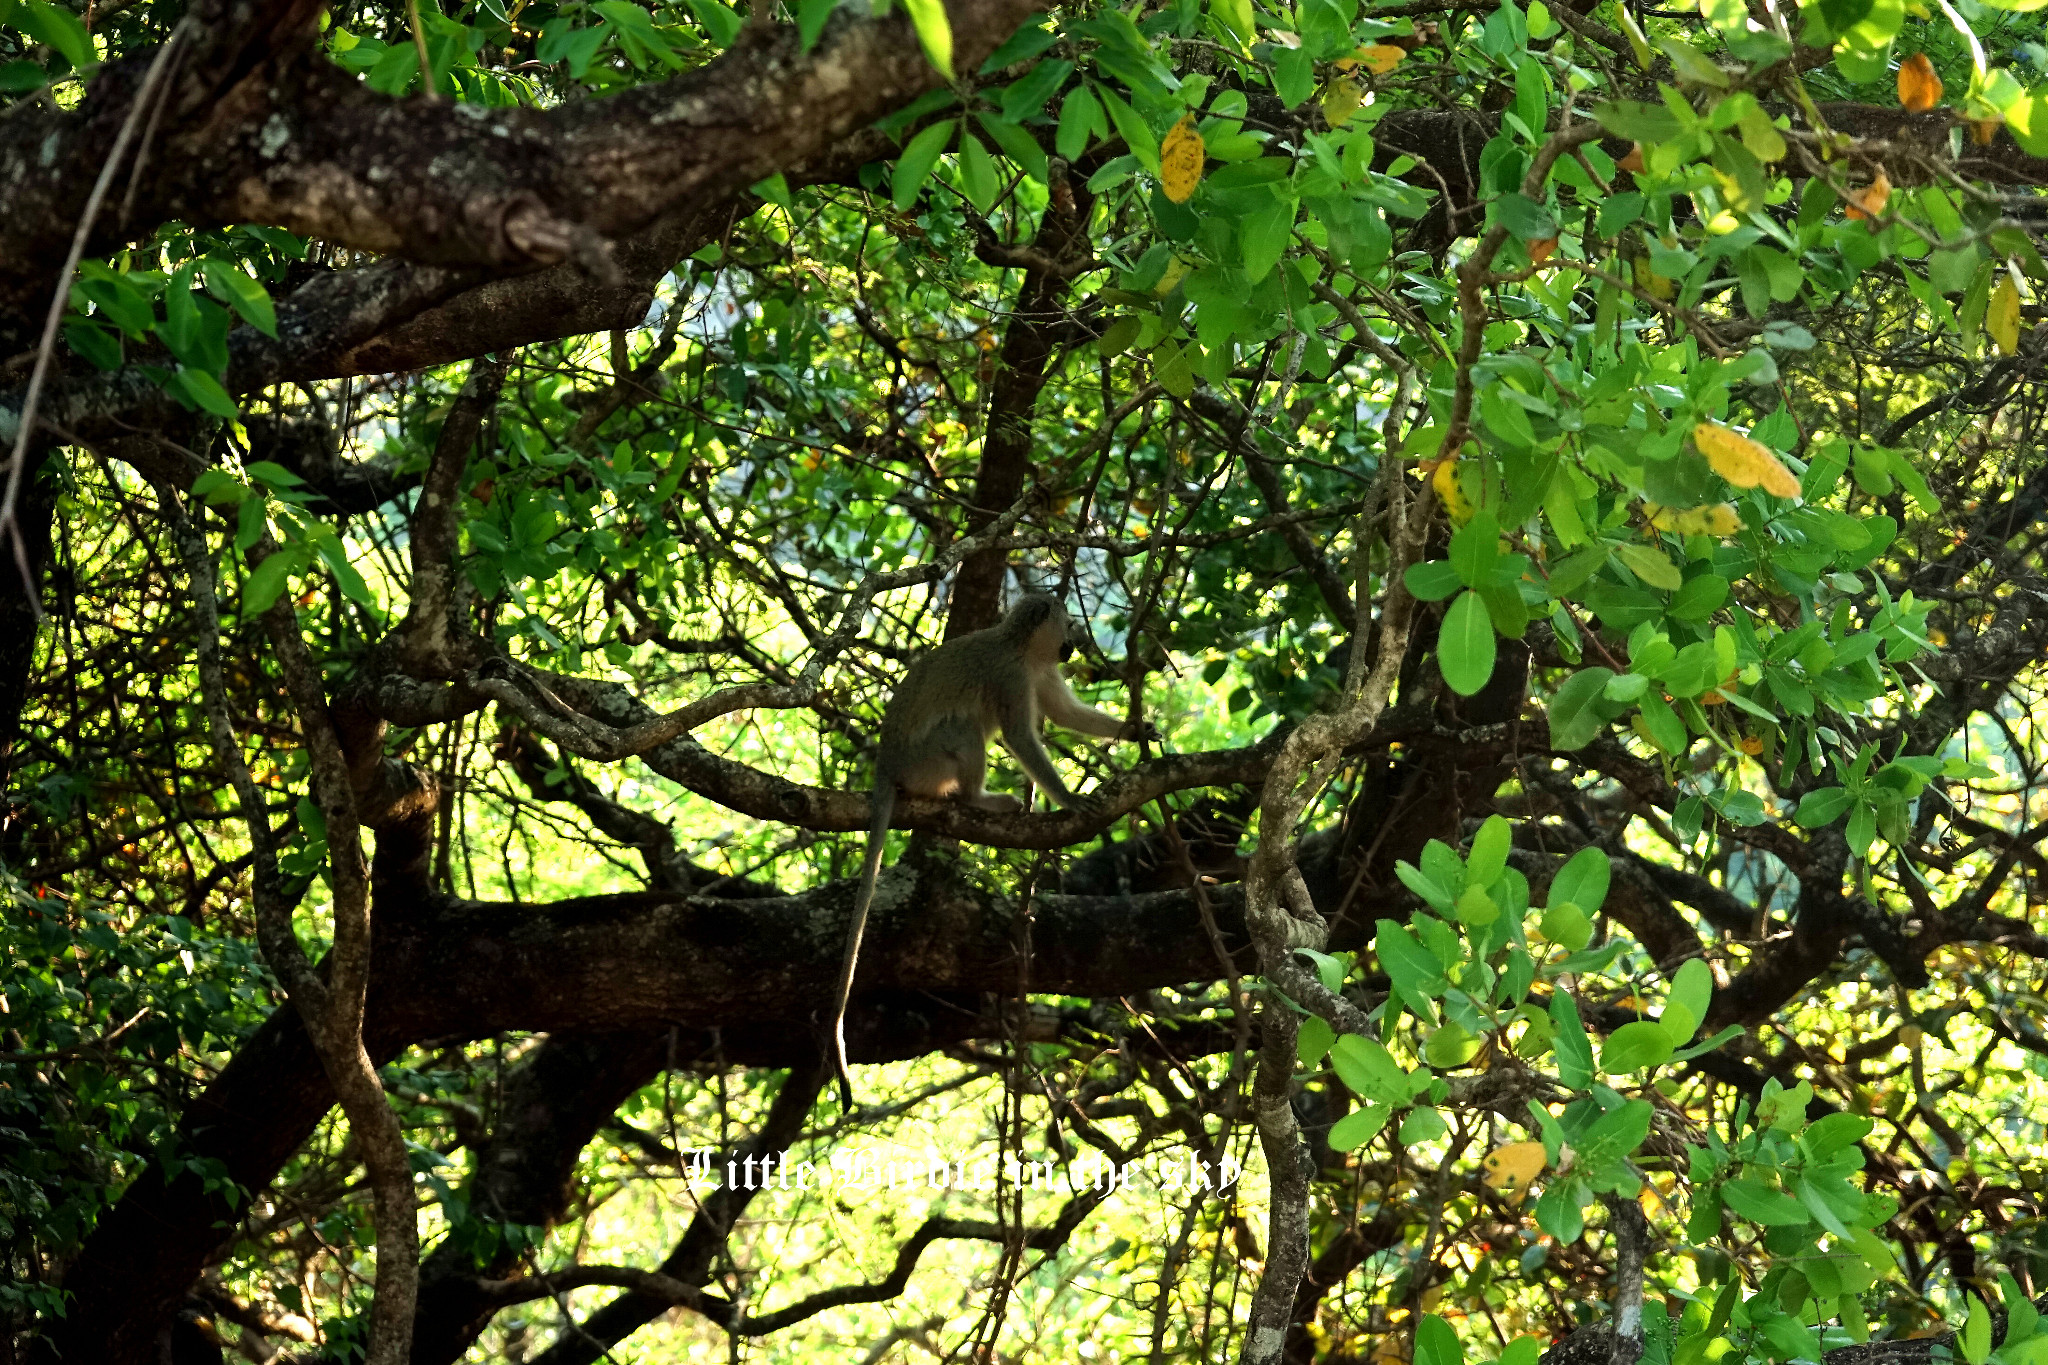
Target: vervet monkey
(935, 734)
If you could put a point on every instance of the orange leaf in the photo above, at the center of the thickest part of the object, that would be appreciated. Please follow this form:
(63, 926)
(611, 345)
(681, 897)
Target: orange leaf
(1750, 744)
(1380, 58)
(1919, 87)
(1540, 249)
(1513, 1166)
(1180, 161)
(1870, 202)
(1743, 462)
(1634, 160)
(1983, 130)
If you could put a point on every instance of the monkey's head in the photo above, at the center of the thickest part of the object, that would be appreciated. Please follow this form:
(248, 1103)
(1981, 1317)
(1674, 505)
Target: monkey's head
(1040, 625)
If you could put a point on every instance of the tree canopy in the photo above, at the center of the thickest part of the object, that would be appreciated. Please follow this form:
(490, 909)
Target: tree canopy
(1566, 481)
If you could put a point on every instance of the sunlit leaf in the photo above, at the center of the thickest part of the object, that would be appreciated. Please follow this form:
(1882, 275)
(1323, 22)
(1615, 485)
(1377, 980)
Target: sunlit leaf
(1919, 87)
(1742, 461)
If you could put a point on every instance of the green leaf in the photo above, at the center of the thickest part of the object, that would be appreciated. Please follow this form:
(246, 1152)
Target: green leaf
(1475, 909)
(268, 579)
(1080, 115)
(1635, 1047)
(1574, 721)
(1369, 1070)
(1413, 969)
(1436, 1343)
(1132, 128)
(1651, 565)
(58, 28)
(1117, 338)
(1692, 991)
(1235, 15)
(1638, 122)
(98, 345)
(1423, 1124)
(18, 78)
(1423, 885)
(721, 24)
(978, 178)
(1700, 598)
(1017, 144)
(1561, 1211)
(1026, 96)
(1313, 1042)
(1692, 65)
(1172, 368)
(1475, 549)
(934, 31)
(1615, 1134)
(202, 390)
(2021, 1315)
(1583, 880)
(1976, 1338)
(914, 167)
(1565, 924)
(810, 20)
(1574, 1050)
(1759, 1204)
(1360, 1126)
(1027, 42)
(345, 573)
(1433, 580)
(1294, 75)
(218, 487)
(1662, 727)
(1264, 235)
(1489, 855)
(1465, 646)
(271, 474)
(1833, 1133)
(1524, 217)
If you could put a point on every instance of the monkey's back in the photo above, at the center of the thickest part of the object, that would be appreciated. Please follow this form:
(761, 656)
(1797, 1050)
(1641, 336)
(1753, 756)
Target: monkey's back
(959, 681)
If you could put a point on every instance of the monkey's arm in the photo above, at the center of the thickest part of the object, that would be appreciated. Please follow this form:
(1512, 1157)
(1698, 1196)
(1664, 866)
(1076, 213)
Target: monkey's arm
(1059, 705)
(1019, 720)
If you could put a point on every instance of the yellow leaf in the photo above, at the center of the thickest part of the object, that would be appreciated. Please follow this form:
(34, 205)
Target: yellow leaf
(1714, 519)
(1650, 282)
(1341, 101)
(1743, 462)
(1380, 58)
(1919, 87)
(1180, 161)
(1170, 278)
(2002, 317)
(1445, 480)
(1512, 1167)
(1868, 203)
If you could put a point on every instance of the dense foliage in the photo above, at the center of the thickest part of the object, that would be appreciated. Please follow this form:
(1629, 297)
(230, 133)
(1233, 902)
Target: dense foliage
(1566, 481)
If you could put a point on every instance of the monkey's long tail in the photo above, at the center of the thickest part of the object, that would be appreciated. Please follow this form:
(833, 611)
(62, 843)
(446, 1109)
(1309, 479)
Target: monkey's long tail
(884, 802)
